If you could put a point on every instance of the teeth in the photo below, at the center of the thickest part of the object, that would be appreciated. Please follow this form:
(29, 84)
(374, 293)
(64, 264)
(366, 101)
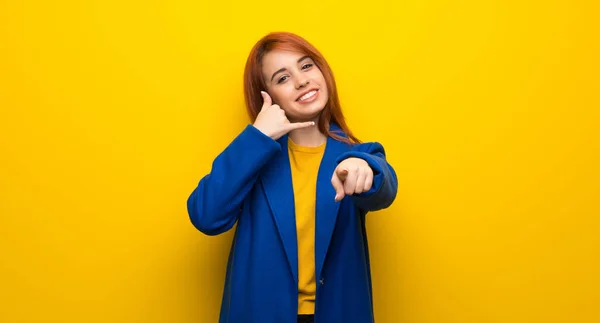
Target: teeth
(308, 95)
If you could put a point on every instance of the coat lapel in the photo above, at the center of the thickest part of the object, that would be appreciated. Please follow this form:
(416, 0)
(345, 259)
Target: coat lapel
(326, 206)
(277, 183)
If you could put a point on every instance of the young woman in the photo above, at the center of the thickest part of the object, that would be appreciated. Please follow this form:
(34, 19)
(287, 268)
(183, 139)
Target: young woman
(299, 185)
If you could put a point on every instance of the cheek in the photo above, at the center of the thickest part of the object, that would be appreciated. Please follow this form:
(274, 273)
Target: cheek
(322, 82)
(274, 92)
(284, 94)
(324, 90)
(319, 76)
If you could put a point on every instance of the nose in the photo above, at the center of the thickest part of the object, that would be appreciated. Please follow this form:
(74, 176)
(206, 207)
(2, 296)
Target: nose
(302, 82)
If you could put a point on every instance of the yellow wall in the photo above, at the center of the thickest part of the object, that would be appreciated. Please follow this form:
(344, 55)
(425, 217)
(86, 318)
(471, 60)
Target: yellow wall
(111, 111)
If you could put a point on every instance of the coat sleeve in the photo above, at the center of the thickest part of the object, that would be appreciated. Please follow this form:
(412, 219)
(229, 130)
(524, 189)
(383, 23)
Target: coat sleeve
(385, 183)
(216, 203)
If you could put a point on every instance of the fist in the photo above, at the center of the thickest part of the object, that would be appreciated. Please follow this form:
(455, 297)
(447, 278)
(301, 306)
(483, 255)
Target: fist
(271, 119)
(351, 176)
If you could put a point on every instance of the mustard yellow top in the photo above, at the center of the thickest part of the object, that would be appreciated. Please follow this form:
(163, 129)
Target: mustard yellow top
(304, 163)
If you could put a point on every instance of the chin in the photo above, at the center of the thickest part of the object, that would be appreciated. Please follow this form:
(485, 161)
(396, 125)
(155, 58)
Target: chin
(306, 112)
(302, 116)
(314, 107)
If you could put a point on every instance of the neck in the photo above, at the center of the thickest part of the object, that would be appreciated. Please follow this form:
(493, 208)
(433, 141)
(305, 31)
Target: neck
(308, 137)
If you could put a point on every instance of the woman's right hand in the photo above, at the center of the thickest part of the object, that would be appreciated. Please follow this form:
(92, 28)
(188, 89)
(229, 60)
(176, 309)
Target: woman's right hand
(271, 119)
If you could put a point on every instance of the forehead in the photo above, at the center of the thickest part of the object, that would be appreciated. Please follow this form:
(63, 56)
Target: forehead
(276, 59)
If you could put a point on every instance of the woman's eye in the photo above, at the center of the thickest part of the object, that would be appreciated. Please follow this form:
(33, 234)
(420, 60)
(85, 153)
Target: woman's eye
(305, 66)
(281, 79)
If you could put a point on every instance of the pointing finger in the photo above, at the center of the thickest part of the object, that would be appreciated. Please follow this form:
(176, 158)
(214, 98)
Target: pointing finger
(298, 125)
(338, 186)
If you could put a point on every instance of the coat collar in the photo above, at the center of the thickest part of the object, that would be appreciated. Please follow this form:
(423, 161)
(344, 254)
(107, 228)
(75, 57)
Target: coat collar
(277, 183)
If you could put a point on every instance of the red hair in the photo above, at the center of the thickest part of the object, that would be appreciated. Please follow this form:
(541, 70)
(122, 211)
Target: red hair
(254, 81)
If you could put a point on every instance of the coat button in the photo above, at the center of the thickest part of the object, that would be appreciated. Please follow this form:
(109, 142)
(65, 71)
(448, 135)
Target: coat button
(321, 281)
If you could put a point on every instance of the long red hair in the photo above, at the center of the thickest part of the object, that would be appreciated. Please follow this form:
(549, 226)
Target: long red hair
(254, 81)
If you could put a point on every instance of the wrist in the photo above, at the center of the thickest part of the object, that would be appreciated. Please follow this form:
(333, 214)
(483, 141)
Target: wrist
(264, 132)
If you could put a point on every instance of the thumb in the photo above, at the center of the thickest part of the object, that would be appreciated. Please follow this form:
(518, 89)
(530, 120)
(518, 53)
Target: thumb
(338, 185)
(267, 102)
(342, 173)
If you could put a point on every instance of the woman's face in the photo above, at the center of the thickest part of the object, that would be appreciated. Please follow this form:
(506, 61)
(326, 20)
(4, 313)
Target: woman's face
(295, 83)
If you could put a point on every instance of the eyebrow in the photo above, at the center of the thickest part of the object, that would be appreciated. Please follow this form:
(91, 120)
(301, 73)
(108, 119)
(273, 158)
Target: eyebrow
(283, 69)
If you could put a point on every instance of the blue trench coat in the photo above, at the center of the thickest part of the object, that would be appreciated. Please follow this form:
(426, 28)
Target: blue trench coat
(250, 183)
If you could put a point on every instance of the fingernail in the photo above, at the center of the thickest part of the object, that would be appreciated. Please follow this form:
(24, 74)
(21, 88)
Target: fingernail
(313, 123)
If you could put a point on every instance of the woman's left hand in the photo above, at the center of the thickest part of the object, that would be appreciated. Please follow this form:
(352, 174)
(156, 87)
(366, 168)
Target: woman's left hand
(351, 176)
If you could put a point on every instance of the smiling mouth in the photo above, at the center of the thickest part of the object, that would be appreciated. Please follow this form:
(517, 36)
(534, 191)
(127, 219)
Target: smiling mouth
(309, 96)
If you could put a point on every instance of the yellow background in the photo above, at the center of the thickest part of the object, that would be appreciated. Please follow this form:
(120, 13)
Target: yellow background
(111, 112)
